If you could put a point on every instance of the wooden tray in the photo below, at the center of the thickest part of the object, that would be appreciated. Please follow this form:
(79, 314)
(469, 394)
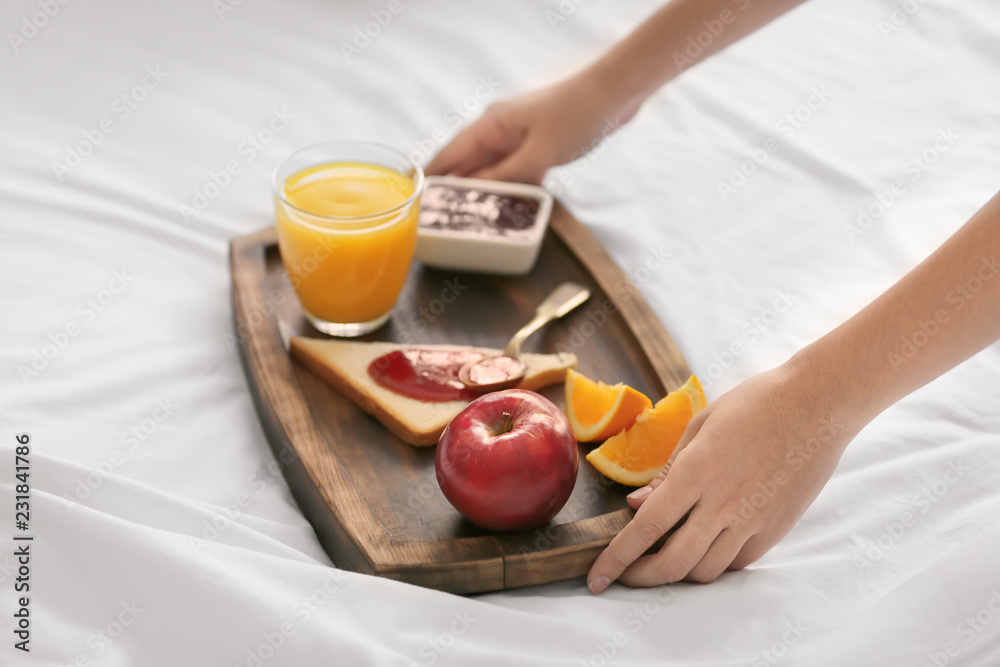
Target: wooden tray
(374, 500)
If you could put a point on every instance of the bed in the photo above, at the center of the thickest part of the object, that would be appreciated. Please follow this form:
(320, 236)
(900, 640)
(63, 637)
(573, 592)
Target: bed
(136, 139)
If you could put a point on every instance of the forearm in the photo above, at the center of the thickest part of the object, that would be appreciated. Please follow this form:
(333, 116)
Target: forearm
(938, 315)
(679, 35)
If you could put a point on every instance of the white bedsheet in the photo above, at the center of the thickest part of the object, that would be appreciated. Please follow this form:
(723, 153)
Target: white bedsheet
(188, 549)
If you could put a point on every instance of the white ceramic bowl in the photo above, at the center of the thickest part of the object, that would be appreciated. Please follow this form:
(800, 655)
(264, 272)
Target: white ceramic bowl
(468, 224)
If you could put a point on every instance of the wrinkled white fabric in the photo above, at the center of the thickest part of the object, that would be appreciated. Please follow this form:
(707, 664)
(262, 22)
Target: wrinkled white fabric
(165, 536)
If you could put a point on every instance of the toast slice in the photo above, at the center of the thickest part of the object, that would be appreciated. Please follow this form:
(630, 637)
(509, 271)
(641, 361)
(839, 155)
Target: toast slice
(344, 364)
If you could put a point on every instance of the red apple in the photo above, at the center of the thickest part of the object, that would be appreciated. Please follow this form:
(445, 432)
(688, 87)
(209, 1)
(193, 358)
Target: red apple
(508, 461)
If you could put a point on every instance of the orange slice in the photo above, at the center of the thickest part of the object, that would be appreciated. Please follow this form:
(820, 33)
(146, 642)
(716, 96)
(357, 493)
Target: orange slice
(597, 411)
(636, 455)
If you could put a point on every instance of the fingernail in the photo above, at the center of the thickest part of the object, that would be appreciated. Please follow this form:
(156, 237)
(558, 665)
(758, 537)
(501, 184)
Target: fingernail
(598, 584)
(639, 494)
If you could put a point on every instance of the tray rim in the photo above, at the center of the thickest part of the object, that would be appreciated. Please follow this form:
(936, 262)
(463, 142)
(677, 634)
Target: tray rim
(433, 564)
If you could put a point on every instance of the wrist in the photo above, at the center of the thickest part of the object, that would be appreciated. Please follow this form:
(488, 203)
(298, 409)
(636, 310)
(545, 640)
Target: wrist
(826, 379)
(604, 83)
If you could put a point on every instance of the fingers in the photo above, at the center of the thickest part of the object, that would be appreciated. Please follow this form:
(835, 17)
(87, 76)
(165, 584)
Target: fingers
(681, 553)
(718, 558)
(522, 166)
(754, 548)
(693, 427)
(494, 148)
(659, 513)
(639, 496)
(487, 141)
(460, 152)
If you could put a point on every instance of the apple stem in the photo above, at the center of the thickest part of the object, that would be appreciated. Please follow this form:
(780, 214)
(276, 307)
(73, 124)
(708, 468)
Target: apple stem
(508, 422)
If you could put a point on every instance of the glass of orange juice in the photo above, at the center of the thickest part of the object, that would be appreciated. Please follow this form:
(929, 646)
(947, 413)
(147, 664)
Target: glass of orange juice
(347, 215)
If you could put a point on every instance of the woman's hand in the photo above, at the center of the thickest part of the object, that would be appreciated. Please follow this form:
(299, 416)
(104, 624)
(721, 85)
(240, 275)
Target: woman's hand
(518, 139)
(746, 469)
(751, 463)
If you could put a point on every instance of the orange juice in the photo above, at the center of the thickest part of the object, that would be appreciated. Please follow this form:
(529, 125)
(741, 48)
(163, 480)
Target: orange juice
(347, 231)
